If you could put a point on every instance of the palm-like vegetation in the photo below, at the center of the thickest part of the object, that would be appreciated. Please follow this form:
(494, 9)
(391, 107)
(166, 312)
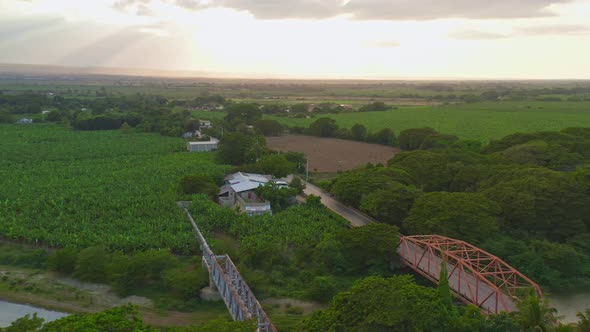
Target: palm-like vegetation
(535, 314)
(584, 321)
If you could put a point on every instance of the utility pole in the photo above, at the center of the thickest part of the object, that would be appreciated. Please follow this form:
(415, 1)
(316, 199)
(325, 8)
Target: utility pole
(307, 171)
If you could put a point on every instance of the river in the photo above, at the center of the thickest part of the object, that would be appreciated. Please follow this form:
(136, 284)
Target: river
(569, 305)
(10, 312)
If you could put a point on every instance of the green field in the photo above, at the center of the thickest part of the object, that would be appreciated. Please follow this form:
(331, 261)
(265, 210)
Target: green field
(478, 121)
(79, 188)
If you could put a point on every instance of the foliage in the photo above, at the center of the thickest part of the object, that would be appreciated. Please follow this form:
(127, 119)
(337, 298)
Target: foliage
(129, 273)
(584, 321)
(275, 164)
(438, 141)
(83, 188)
(379, 304)
(350, 187)
(429, 171)
(322, 288)
(377, 106)
(443, 288)
(466, 216)
(370, 247)
(540, 201)
(390, 205)
(323, 127)
(358, 132)
(26, 323)
(238, 148)
(186, 282)
(385, 136)
(194, 184)
(219, 325)
(121, 319)
(535, 314)
(268, 127)
(242, 114)
(412, 139)
(282, 253)
(63, 260)
(91, 264)
(545, 154)
(279, 197)
(297, 184)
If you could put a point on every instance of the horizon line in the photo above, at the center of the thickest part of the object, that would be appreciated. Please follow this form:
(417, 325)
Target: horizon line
(21, 68)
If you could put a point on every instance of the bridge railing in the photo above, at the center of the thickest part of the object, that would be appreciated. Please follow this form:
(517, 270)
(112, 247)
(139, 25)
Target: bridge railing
(235, 292)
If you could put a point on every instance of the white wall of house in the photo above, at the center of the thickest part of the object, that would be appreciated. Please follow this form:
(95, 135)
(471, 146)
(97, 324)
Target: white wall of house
(201, 146)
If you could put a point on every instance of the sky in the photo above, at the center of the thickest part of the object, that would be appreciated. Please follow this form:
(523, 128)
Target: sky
(373, 39)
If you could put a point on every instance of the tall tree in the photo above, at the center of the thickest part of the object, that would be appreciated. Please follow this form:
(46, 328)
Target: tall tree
(443, 288)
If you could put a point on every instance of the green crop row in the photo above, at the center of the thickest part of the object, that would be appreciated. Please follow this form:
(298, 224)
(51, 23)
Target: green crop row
(73, 188)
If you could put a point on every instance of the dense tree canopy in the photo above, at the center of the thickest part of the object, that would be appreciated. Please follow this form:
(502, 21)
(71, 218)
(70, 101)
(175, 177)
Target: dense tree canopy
(412, 139)
(429, 171)
(238, 148)
(378, 304)
(268, 127)
(323, 127)
(467, 216)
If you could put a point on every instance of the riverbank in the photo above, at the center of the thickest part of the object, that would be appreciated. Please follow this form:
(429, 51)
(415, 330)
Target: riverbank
(10, 312)
(51, 291)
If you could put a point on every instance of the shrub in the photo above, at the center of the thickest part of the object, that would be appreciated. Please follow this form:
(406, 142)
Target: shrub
(63, 260)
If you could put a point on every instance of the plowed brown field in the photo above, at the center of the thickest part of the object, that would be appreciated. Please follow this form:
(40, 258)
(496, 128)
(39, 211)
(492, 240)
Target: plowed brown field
(331, 154)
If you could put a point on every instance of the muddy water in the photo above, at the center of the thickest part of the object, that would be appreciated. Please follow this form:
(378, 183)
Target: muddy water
(568, 306)
(10, 312)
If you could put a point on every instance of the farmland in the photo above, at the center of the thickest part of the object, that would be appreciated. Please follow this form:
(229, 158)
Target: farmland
(332, 155)
(477, 121)
(72, 188)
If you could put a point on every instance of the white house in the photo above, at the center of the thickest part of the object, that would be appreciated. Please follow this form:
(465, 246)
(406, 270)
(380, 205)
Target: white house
(205, 124)
(203, 146)
(239, 191)
(25, 121)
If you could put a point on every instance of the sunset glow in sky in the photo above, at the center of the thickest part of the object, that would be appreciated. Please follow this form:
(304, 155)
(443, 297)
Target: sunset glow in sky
(306, 38)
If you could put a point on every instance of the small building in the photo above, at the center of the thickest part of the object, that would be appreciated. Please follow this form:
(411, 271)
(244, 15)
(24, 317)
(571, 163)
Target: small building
(239, 191)
(205, 124)
(188, 134)
(25, 121)
(203, 146)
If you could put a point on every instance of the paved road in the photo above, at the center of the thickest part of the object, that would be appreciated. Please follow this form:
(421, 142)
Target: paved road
(356, 218)
(467, 285)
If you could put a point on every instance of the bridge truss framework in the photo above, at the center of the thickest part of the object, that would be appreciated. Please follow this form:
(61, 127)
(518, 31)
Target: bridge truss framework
(475, 276)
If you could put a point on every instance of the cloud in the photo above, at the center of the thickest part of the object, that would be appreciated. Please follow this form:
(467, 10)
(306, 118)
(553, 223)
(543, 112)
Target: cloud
(272, 9)
(476, 35)
(555, 29)
(526, 31)
(382, 9)
(384, 44)
(137, 7)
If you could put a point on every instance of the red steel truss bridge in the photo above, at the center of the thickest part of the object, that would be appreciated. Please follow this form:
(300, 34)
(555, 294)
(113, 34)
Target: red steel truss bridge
(225, 277)
(474, 275)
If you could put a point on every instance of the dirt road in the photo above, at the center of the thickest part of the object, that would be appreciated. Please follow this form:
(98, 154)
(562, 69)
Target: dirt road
(355, 217)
